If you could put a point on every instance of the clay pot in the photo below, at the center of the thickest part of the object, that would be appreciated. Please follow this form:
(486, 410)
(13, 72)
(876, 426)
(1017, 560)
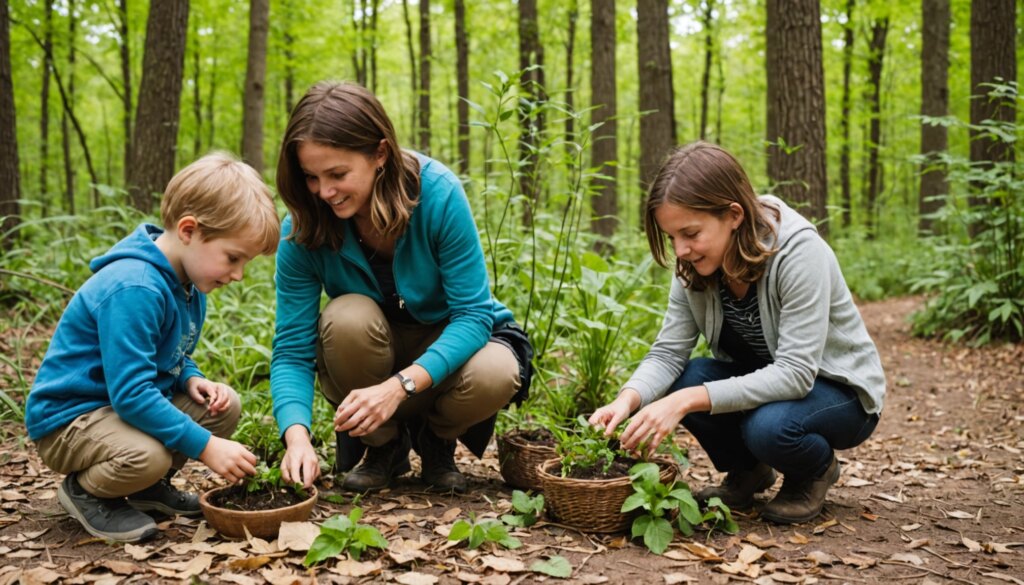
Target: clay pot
(261, 523)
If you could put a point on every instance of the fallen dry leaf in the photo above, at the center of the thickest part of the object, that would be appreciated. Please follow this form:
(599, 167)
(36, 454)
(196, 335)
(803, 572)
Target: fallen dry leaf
(972, 545)
(821, 557)
(503, 564)
(705, 553)
(958, 514)
(139, 553)
(749, 554)
(236, 578)
(350, 568)
(120, 567)
(405, 551)
(1003, 577)
(414, 578)
(39, 576)
(249, 563)
(297, 536)
(676, 578)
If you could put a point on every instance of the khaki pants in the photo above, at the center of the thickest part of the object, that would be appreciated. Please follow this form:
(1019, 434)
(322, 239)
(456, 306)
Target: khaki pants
(114, 459)
(358, 348)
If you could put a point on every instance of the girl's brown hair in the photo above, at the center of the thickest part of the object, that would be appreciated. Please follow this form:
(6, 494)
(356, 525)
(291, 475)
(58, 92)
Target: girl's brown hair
(705, 177)
(345, 115)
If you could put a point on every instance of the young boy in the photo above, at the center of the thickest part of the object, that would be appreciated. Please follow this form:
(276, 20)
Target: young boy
(118, 404)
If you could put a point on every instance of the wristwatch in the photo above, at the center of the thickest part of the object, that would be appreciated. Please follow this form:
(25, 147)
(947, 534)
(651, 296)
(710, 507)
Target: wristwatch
(408, 384)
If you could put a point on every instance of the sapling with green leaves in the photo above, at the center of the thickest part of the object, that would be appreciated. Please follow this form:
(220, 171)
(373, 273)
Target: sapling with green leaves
(657, 501)
(527, 509)
(585, 447)
(720, 517)
(344, 534)
(476, 532)
(269, 479)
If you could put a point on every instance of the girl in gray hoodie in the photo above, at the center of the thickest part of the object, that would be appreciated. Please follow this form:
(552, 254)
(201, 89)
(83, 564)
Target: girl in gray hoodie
(795, 375)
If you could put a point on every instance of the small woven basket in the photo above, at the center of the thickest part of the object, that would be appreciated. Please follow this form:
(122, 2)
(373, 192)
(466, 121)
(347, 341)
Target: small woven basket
(519, 460)
(593, 505)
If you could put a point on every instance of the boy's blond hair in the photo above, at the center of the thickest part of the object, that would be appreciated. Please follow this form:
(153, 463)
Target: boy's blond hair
(227, 197)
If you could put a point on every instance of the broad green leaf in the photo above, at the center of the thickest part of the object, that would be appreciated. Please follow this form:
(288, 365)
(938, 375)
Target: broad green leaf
(477, 536)
(324, 546)
(640, 526)
(658, 535)
(460, 531)
(634, 501)
(555, 566)
(510, 542)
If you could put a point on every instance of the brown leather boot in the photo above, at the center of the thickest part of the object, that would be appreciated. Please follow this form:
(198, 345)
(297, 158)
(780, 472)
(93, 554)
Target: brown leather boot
(738, 489)
(801, 499)
(438, 458)
(379, 467)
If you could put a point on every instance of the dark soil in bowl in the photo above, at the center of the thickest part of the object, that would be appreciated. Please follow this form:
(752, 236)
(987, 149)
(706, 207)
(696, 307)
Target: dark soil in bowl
(619, 468)
(238, 498)
(541, 437)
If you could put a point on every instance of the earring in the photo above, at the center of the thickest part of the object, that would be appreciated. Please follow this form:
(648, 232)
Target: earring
(380, 170)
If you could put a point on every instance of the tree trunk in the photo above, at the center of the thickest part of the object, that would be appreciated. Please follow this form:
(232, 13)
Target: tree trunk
(126, 79)
(414, 75)
(796, 106)
(375, 6)
(359, 50)
(156, 123)
(425, 54)
(879, 31)
(605, 204)
(211, 132)
(934, 102)
(993, 57)
(657, 122)
(531, 123)
(255, 83)
(197, 99)
(570, 69)
(44, 109)
(462, 74)
(69, 110)
(844, 120)
(709, 51)
(10, 179)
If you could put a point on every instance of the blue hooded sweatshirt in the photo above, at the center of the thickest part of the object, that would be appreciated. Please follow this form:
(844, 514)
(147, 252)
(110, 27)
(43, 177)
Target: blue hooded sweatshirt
(124, 341)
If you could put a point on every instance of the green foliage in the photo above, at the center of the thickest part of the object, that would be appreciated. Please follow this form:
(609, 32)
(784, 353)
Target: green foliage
(584, 446)
(875, 269)
(269, 479)
(977, 274)
(476, 533)
(344, 534)
(555, 566)
(657, 502)
(527, 509)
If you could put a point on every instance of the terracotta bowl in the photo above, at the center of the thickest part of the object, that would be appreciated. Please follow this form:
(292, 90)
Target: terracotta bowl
(261, 523)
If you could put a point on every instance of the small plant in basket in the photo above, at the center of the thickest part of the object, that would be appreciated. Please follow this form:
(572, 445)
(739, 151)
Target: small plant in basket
(587, 454)
(524, 445)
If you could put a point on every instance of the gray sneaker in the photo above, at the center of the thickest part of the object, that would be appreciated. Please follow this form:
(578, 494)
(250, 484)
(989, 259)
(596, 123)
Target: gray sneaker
(164, 497)
(110, 518)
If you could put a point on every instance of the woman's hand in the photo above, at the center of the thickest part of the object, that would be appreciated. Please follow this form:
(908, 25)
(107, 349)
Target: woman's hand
(610, 415)
(300, 463)
(365, 409)
(657, 420)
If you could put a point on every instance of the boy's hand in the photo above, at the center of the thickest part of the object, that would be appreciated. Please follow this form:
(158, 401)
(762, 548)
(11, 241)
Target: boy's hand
(214, 395)
(229, 459)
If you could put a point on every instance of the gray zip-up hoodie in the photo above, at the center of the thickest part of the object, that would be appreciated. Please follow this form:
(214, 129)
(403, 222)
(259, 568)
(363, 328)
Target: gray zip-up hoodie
(809, 321)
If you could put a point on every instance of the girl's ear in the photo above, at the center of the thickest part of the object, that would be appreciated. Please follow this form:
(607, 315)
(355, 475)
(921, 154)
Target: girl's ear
(188, 228)
(736, 215)
(382, 152)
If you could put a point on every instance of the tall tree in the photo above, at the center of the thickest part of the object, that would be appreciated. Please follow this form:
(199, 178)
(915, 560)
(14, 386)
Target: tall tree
(658, 121)
(876, 55)
(374, 8)
(125, 53)
(44, 108)
(709, 54)
(156, 123)
(993, 57)
(844, 118)
(424, 89)
(570, 70)
(605, 204)
(68, 113)
(796, 106)
(935, 16)
(10, 180)
(531, 119)
(255, 83)
(462, 74)
(413, 74)
(197, 94)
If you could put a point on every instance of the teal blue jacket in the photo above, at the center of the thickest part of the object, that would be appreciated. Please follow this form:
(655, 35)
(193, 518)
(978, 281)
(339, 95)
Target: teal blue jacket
(440, 274)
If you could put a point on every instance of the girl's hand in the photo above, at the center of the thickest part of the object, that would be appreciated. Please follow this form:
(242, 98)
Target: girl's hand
(610, 415)
(214, 395)
(657, 420)
(363, 410)
(300, 463)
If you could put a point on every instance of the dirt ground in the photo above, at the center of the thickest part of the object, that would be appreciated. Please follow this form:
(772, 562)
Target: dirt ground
(935, 496)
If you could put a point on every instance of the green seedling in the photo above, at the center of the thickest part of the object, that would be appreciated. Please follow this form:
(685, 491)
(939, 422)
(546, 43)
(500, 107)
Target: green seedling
(527, 509)
(269, 479)
(585, 447)
(720, 516)
(478, 532)
(657, 500)
(344, 533)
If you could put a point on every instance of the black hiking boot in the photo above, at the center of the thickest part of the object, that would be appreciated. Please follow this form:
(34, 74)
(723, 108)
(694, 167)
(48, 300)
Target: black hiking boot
(438, 458)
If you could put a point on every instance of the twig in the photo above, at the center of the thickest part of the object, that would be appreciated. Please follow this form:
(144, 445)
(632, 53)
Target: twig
(943, 575)
(40, 279)
(842, 578)
(947, 559)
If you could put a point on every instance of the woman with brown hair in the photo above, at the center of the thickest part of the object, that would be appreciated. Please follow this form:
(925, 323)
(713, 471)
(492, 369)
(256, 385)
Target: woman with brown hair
(410, 348)
(795, 374)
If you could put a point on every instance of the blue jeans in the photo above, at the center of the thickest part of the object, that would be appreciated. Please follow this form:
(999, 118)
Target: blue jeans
(795, 437)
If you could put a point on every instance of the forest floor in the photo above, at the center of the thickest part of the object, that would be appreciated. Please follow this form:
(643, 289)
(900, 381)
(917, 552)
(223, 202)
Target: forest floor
(935, 496)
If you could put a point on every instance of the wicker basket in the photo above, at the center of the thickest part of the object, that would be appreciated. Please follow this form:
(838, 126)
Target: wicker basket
(261, 523)
(592, 505)
(519, 460)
